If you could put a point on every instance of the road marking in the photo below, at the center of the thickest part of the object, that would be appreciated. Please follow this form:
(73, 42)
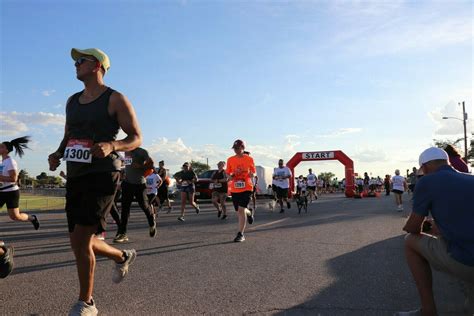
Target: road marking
(268, 224)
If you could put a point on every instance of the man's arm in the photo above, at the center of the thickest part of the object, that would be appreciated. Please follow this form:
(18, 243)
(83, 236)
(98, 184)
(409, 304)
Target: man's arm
(122, 109)
(54, 158)
(414, 223)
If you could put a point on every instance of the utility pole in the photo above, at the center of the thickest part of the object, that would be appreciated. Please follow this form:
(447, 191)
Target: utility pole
(464, 119)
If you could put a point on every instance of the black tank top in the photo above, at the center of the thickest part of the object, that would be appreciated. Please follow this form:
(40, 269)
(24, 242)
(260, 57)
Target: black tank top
(92, 121)
(219, 175)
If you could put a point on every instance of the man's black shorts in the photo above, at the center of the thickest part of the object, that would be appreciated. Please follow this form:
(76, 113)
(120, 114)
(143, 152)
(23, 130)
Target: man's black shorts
(281, 193)
(311, 188)
(11, 198)
(241, 199)
(89, 199)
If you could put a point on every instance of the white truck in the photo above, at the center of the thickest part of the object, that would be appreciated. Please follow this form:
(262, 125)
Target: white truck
(265, 177)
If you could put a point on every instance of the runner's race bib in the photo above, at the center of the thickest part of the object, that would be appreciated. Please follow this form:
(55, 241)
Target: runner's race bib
(127, 161)
(78, 150)
(184, 183)
(239, 184)
(215, 185)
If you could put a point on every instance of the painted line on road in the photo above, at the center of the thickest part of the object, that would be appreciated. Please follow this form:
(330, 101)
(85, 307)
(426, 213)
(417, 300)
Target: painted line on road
(268, 224)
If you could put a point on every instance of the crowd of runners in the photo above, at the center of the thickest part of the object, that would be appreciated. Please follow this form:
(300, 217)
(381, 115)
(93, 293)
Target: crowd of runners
(102, 170)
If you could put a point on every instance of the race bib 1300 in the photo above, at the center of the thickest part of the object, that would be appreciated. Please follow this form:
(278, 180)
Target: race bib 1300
(78, 150)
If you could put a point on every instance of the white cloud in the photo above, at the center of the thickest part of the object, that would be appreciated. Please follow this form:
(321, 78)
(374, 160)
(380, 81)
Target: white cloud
(48, 93)
(391, 27)
(12, 123)
(369, 154)
(341, 132)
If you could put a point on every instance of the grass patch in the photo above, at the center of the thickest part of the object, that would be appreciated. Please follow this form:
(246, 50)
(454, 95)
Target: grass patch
(30, 202)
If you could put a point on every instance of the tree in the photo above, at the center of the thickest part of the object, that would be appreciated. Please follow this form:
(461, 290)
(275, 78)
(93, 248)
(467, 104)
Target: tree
(326, 176)
(199, 167)
(22, 177)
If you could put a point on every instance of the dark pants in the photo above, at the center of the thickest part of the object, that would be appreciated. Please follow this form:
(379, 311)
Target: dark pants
(387, 189)
(137, 191)
(163, 193)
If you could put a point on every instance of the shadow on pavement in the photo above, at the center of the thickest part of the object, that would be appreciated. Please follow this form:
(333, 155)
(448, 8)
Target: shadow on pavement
(375, 280)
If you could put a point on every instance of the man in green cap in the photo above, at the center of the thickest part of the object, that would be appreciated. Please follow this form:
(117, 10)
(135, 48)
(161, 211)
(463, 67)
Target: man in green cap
(89, 147)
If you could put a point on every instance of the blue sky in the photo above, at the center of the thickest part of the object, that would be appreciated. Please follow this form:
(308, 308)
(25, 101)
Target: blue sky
(370, 78)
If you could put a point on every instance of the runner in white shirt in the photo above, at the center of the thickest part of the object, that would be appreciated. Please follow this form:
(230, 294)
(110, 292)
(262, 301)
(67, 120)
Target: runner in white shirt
(10, 195)
(399, 185)
(281, 179)
(153, 182)
(311, 185)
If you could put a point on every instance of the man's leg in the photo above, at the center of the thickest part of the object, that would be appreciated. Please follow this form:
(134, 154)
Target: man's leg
(81, 243)
(222, 198)
(421, 271)
(142, 200)
(242, 214)
(184, 196)
(127, 197)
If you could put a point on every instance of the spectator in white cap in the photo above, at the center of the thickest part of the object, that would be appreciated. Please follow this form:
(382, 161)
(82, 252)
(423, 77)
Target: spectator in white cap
(445, 243)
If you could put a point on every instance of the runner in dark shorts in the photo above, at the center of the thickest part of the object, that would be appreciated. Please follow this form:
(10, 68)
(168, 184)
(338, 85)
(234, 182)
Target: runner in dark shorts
(89, 147)
(241, 169)
(10, 195)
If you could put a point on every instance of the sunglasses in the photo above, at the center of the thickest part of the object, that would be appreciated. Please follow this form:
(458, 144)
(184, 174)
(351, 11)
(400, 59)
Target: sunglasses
(81, 60)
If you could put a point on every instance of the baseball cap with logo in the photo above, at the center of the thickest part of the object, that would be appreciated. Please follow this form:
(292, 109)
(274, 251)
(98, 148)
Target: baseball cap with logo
(239, 143)
(432, 153)
(97, 53)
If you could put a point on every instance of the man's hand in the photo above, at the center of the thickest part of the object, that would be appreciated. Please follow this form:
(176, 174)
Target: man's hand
(102, 150)
(54, 161)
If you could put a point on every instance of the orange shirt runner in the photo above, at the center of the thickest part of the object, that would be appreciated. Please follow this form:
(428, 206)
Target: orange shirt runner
(240, 169)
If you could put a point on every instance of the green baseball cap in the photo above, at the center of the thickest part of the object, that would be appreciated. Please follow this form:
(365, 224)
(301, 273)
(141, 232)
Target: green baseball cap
(97, 53)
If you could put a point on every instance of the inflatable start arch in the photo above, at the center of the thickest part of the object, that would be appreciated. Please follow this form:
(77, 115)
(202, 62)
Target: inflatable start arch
(325, 155)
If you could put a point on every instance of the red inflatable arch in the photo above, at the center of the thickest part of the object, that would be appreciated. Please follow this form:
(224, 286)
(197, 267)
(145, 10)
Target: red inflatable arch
(325, 155)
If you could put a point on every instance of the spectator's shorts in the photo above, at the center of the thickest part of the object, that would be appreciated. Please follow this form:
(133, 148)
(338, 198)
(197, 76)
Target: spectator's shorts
(89, 199)
(311, 188)
(397, 191)
(435, 250)
(241, 199)
(281, 193)
(10, 198)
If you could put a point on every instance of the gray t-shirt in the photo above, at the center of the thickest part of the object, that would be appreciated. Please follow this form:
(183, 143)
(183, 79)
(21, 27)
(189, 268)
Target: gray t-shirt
(135, 175)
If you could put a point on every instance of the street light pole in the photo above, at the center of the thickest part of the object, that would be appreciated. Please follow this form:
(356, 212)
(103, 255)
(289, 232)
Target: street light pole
(464, 119)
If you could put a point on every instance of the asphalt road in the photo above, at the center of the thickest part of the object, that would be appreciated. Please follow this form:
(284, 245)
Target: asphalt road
(344, 257)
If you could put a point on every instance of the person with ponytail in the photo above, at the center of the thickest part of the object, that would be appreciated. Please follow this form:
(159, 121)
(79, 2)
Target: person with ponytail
(10, 195)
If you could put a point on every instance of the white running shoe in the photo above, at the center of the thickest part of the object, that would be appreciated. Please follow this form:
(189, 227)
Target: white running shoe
(121, 269)
(81, 308)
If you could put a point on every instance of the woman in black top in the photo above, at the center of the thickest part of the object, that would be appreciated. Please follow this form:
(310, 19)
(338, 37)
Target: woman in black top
(185, 180)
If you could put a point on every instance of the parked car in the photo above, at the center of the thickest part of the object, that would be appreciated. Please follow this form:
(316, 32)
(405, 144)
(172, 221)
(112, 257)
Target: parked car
(203, 190)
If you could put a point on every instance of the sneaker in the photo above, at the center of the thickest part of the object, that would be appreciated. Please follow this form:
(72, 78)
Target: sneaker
(250, 218)
(120, 238)
(416, 312)
(153, 230)
(239, 238)
(288, 205)
(197, 209)
(224, 216)
(6, 262)
(181, 218)
(35, 222)
(81, 308)
(121, 269)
